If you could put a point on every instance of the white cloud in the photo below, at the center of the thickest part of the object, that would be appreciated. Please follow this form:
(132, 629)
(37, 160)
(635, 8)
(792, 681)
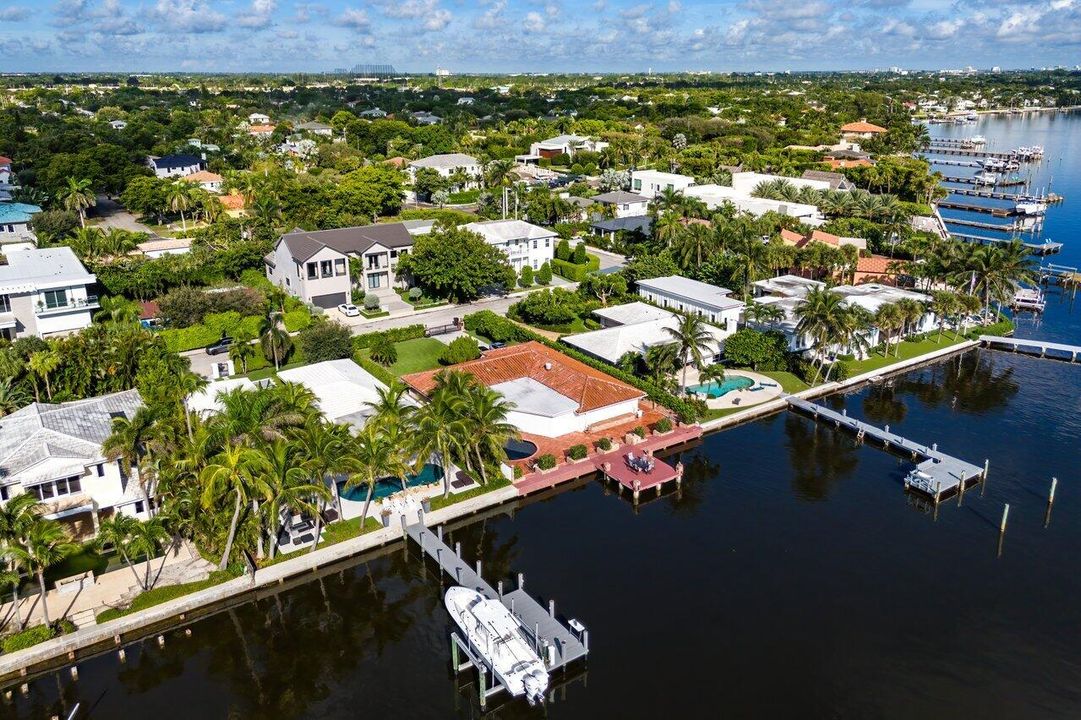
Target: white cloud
(15, 13)
(534, 22)
(355, 19)
(492, 17)
(259, 15)
(437, 20)
(190, 16)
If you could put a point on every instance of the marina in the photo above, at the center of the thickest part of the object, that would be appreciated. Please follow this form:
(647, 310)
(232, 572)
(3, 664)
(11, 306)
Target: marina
(937, 475)
(1014, 211)
(1017, 197)
(952, 151)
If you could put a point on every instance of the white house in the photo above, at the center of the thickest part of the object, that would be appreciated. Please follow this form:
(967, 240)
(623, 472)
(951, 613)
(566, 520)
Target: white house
(15, 232)
(746, 182)
(315, 128)
(175, 165)
(44, 292)
(258, 119)
(712, 303)
(635, 328)
(53, 451)
(626, 204)
(211, 182)
(565, 145)
(715, 196)
(524, 243)
(344, 391)
(5, 171)
(117, 124)
(650, 183)
(446, 165)
(160, 247)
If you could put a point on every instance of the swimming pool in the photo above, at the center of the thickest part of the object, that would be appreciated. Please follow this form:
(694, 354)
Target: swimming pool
(519, 449)
(388, 486)
(715, 390)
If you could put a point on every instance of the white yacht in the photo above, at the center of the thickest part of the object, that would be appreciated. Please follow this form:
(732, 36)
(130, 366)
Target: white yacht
(500, 639)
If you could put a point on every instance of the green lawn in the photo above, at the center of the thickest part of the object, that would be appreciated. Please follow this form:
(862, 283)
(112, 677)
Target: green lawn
(464, 197)
(789, 382)
(905, 351)
(333, 533)
(494, 483)
(158, 595)
(415, 355)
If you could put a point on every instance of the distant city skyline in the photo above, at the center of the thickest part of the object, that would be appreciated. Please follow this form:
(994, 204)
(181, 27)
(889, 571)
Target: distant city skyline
(534, 35)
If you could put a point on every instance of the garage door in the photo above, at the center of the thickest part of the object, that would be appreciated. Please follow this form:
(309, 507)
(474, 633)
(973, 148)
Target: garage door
(329, 301)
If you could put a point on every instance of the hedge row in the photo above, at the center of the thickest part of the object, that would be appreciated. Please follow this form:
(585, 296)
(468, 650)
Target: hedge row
(296, 320)
(409, 332)
(575, 273)
(378, 371)
(494, 327)
(210, 330)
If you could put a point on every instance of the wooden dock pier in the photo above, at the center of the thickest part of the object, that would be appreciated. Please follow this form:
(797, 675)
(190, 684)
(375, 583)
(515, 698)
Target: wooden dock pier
(1017, 226)
(1047, 247)
(557, 644)
(1037, 348)
(976, 207)
(1016, 197)
(938, 474)
(974, 181)
(986, 154)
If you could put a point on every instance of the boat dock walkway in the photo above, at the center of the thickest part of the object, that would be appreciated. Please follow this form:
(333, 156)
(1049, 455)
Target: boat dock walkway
(1014, 196)
(1046, 247)
(975, 181)
(976, 207)
(1039, 348)
(1013, 155)
(939, 473)
(557, 644)
(1017, 226)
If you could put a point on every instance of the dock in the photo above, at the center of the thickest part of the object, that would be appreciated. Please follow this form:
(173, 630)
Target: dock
(976, 207)
(1017, 226)
(939, 474)
(558, 644)
(974, 181)
(1064, 274)
(1046, 247)
(936, 149)
(1014, 196)
(1037, 348)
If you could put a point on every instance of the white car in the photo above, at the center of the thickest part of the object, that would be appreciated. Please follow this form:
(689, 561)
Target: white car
(349, 310)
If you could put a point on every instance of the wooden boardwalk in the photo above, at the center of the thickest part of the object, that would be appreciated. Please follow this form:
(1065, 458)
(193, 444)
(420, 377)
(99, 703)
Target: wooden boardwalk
(1046, 247)
(556, 643)
(939, 473)
(1038, 348)
(973, 181)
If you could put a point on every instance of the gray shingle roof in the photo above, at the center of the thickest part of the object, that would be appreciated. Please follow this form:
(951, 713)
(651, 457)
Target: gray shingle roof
(303, 244)
(618, 197)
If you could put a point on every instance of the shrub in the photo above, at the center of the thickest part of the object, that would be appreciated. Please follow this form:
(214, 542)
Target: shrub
(544, 274)
(579, 257)
(460, 350)
(546, 461)
(28, 638)
(371, 303)
(415, 293)
(563, 250)
(408, 332)
(526, 278)
(296, 320)
(570, 271)
(604, 444)
(549, 307)
(325, 340)
(383, 351)
(377, 370)
(577, 452)
(759, 350)
(663, 425)
(495, 328)
(640, 431)
(518, 471)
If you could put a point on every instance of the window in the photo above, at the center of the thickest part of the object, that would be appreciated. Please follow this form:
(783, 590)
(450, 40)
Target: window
(101, 470)
(326, 268)
(287, 282)
(56, 298)
(138, 506)
(547, 242)
(534, 244)
(5, 493)
(5, 304)
(339, 266)
(313, 270)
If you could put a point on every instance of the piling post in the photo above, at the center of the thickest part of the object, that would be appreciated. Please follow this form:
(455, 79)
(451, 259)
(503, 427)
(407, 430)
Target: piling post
(458, 550)
(551, 608)
(1051, 495)
(478, 570)
(521, 581)
(453, 653)
(499, 589)
(403, 525)
(483, 691)
(1005, 514)
(585, 640)
(122, 655)
(74, 673)
(439, 531)
(536, 637)
(986, 467)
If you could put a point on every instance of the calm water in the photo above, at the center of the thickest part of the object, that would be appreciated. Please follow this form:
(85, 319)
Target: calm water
(792, 577)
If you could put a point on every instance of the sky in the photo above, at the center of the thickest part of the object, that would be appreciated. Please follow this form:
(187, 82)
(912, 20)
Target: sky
(534, 35)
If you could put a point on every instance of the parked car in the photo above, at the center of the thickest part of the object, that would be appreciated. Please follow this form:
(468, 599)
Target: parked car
(220, 346)
(349, 309)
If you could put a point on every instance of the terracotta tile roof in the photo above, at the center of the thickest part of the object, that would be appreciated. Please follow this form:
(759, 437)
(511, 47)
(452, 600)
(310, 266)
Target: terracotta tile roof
(839, 164)
(148, 310)
(790, 237)
(862, 127)
(397, 162)
(875, 265)
(825, 237)
(232, 201)
(589, 387)
(5, 160)
(261, 129)
(202, 176)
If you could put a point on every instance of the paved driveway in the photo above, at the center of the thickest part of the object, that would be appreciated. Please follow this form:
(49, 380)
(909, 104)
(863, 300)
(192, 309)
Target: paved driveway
(112, 215)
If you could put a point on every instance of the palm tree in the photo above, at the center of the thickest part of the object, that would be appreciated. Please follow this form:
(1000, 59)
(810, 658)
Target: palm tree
(691, 339)
(486, 415)
(392, 408)
(12, 396)
(17, 516)
(186, 385)
(822, 316)
(440, 427)
(117, 531)
(45, 545)
(289, 485)
(660, 362)
(274, 340)
(760, 313)
(234, 471)
(911, 312)
(42, 363)
(129, 442)
(889, 320)
(374, 456)
(146, 539)
(323, 450)
(77, 196)
(498, 173)
(178, 196)
(87, 242)
(241, 352)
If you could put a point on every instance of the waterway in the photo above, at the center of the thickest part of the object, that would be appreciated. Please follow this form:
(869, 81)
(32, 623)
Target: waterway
(791, 577)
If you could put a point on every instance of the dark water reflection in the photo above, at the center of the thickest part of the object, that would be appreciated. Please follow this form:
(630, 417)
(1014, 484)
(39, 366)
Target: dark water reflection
(790, 578)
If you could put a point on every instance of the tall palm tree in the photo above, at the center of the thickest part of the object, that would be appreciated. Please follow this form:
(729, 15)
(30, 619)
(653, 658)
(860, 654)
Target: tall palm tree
(889, 320)
(12, 396)
(240, 353)
(691, 339)
(392, 406)
(440, 427)
(116, 531)
(235, 471)
(290, 487)
(758, 313)
(371, 457)
(146, 539)
(42, 363)
(186, 385)
(87, 242)
(274, 339)
(822, 315)
(486, 415)
(78, 196)
(130, 442)
(45, 545)
(178, 196)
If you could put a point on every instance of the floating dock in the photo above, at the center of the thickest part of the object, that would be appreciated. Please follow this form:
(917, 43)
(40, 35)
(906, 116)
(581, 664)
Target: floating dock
(1013, 155)
(1017, 197)
(974, 181)
(1045, 248)
(1038, 348)
(557, 644)
(976, 207)
(1017, 226)
(939, 474)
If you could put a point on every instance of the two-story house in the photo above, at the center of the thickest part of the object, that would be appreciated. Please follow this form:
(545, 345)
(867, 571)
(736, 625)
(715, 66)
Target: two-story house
(624, 204)
(15, 232)
(53, 451)
(565, 145)
(314, 265)
(175, 165)
(447, 165)
(651, 183)
(524, 243)
(44, 292)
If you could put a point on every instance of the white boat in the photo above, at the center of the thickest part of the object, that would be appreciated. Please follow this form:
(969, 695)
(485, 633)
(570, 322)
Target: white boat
(977, 140)
(1029, 299)
(986, 178)
(1030, 208)
(500, 639)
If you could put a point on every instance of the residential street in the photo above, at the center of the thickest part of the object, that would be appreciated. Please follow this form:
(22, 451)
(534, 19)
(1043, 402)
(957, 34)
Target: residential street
(112, 215)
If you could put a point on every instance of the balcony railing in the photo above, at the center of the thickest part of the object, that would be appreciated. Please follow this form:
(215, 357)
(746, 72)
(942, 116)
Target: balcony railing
(90, 302)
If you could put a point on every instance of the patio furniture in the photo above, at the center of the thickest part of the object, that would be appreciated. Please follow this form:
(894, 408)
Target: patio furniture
(304, 539)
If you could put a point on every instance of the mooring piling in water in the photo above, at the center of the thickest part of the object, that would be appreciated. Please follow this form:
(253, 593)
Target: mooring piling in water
(1005, 515)
(1051, 494)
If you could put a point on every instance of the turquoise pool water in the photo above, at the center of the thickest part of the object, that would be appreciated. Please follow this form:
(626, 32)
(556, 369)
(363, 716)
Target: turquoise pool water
(388, 486)
(715, 389)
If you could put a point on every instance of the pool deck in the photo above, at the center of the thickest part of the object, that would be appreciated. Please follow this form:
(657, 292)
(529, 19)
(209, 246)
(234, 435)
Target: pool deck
(767, 389)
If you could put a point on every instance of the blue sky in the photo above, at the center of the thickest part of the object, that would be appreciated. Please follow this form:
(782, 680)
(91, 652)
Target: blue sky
(534, 35)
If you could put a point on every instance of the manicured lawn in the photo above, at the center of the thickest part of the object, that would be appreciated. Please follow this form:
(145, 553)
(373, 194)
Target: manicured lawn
(333, 533)
(494, 483)
(415, 355)
(789, 382)
(158, 595)
(464, 197)
(905, 351)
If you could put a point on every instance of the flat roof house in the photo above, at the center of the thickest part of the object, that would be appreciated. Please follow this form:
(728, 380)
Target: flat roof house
(565, 145)
(53, 451)
(342, 389)
(553, 395)
(15, 232)
(746, 182)
(175, 165)
(314, 265)
(447, 164)
(44, 292)
(524, 243)
(711, 302)
(650, 183)
(626, 204)
(715, 196)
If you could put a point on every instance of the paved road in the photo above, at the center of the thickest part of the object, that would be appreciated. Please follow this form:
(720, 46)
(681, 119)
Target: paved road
(112, 215)
(610, 261)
